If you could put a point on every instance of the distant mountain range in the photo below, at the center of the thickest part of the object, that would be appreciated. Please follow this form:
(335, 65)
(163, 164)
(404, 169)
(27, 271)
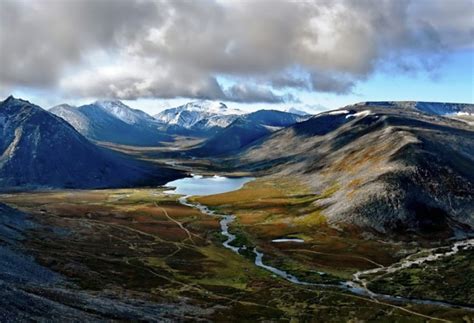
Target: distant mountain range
(200, 118)
(226, 129)
(403, 169)
(39, 149)
(389, 165)
(214, 114)
(246, 129)
(113, 121)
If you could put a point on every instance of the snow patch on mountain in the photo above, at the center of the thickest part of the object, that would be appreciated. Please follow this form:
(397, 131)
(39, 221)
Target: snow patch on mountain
(204, 114)
(337, 112)
(362, 113)
(461, 114)
(124, 112)
(273, 128)
(219, 121)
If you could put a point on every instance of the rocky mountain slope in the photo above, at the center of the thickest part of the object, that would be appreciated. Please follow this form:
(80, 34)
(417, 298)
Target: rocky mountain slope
(39, 149)
(245, 130)
(113, 121)
(396, 170)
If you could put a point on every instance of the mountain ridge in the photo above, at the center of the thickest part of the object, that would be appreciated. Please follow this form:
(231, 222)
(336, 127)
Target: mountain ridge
(246, 129)
(436, 108)
(388, 170)
(113, 121)
(40, 149)
(200, 115)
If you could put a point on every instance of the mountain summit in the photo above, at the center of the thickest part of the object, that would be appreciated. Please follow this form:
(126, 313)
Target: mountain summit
(39, 149)
(202, 114)
(113, 121)
(435, 108)
(396, 170)
(123, 112)
(246, 129)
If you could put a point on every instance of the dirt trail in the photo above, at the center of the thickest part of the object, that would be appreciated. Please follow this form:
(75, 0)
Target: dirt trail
(177, 222)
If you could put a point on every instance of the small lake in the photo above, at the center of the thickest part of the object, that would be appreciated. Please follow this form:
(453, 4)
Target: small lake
(206, 185)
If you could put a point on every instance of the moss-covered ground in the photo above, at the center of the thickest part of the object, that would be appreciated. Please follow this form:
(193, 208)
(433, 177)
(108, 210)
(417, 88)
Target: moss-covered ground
(143, 243)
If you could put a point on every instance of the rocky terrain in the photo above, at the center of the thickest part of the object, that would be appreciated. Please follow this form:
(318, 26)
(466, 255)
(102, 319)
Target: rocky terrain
(39, 149)
(139, 254)
(31, 291)
(392, 169)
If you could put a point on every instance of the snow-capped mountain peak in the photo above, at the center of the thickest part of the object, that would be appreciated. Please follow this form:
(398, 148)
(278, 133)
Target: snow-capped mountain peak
(210, 107)
(123, 112)
(205, 113)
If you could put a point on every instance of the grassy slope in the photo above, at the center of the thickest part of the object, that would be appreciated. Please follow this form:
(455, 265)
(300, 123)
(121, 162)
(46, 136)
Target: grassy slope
(268, 209)
(399, 173)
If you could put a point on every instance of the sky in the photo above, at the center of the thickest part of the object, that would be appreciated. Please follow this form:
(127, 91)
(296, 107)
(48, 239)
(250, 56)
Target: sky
(313, 55)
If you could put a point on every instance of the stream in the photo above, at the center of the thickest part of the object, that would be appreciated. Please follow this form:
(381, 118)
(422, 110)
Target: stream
(357, 285)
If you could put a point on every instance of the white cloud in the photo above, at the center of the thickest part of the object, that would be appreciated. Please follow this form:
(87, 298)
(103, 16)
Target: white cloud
(169, 49)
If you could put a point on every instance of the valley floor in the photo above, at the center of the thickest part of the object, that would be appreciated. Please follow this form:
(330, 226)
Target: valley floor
(140, 254)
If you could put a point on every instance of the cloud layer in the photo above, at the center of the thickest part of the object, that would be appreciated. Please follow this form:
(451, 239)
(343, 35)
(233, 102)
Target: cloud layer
(243, 51)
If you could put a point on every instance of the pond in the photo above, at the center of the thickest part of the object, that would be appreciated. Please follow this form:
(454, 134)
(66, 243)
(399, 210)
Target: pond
(206, 185)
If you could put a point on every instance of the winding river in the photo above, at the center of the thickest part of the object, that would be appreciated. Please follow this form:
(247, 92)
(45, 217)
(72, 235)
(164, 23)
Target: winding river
(199, 185)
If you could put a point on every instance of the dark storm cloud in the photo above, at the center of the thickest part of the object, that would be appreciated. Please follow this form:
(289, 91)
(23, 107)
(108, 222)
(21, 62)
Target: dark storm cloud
(179, 48)
(283, 81)
(253, 94)
(339, 84)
